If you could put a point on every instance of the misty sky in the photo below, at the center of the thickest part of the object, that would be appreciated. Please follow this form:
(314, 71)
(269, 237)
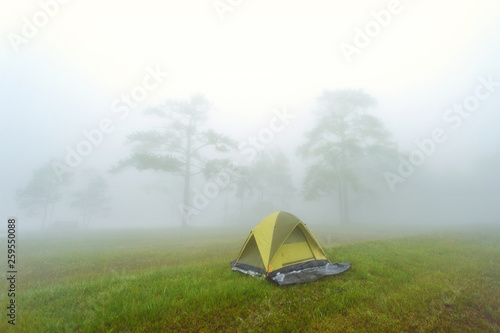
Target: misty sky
(247, 61)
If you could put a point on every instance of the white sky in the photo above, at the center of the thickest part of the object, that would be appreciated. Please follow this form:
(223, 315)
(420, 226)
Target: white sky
(263, 55)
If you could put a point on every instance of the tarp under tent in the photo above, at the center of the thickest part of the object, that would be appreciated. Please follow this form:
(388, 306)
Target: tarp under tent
(283, 249)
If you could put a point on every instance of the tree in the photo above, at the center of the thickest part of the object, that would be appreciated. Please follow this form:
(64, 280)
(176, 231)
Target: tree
(340, 143)
(181, 146)
(268, 178)
(92, 199)
(272, 177)
(244, 184)
(42, 193)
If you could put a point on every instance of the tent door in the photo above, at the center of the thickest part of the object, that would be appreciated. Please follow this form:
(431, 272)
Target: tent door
(294, 250)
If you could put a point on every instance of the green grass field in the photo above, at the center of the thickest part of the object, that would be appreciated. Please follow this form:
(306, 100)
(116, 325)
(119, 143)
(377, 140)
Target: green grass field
(169, 281)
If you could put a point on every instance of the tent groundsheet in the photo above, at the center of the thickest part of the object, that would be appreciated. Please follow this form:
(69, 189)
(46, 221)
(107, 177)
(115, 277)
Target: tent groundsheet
(298, 273)
(309, 274)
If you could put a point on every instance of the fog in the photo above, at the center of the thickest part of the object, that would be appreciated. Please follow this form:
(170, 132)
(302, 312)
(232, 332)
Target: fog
(78, 79)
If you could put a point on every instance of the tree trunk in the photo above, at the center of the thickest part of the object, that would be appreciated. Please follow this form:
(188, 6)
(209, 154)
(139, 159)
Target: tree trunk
(341, 202)
(51, 213)
(344, 203)
(226, 205)
(45, 208)
(89, 217)
(186, 200)
(345, 196)
(187, 177)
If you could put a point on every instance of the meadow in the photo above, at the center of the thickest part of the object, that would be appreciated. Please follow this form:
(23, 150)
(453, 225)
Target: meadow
(179, 280)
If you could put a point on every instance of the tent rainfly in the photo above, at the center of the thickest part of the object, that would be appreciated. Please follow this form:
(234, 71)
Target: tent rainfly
(282, 248)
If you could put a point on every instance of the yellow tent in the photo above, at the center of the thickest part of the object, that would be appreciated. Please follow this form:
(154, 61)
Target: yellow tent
(281, 244)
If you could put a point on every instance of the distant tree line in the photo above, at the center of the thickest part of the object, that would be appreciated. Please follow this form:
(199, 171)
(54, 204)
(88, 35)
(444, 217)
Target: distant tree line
(342, 153)
(46, 189)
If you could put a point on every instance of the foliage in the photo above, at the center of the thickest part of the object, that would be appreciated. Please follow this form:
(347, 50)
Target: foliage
(92, 199)
(268, 178)
(181, 146)
(343, 145)
(272, 177)
(42, 193)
